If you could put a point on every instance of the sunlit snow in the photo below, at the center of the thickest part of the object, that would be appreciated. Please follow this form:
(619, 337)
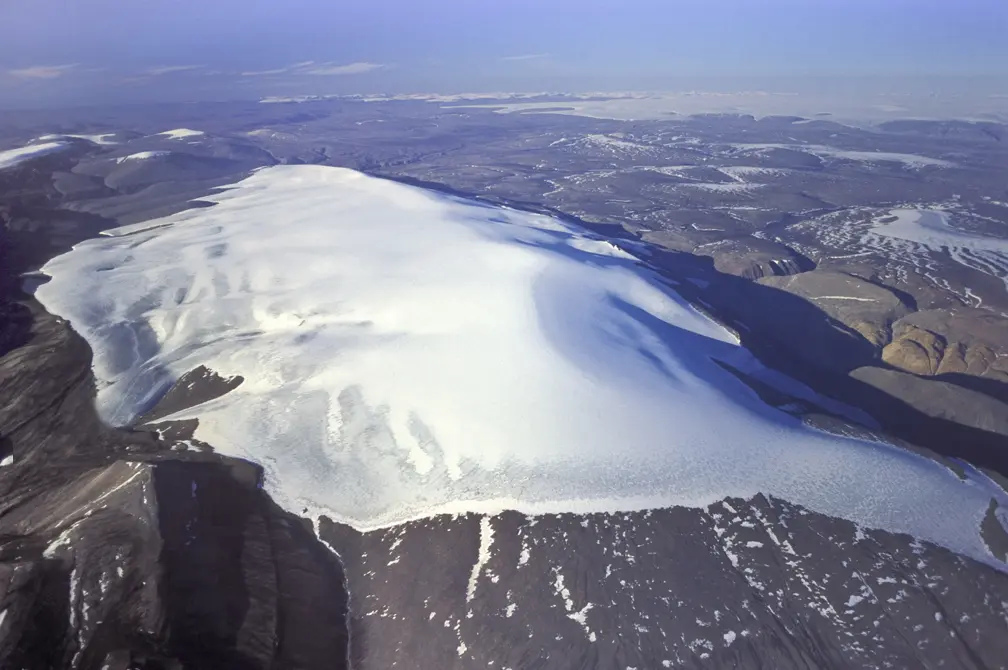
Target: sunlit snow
(102, 138)
(11, 157)
(407, 352)
(141, 156)
(181, 133)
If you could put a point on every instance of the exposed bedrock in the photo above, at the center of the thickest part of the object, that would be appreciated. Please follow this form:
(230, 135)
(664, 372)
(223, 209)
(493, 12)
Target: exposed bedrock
(754, 258)
(953, 344)
(933, 378)
(944, 401)
(117, 552)
(745, 256)
(185, 563)
(743, 583)
(866, 308)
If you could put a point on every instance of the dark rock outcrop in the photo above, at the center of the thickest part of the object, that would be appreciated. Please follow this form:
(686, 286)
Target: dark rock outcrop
(940, 399)
(868, 309)
(754, 258)
(116, 551)
(951, 343)
(181, 562)
(747, 256)
(756, 583)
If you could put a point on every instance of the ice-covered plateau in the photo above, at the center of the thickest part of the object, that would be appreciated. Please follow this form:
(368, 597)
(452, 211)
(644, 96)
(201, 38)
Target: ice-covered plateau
(407, 352)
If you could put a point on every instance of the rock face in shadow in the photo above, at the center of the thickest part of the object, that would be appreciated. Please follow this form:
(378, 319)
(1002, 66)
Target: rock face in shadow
(788, 325)
(246, 584)
(195, 387)
(748, 257)
(940, 399)
(868, 309)
(118, 552)
(81, 560)
(753, 258)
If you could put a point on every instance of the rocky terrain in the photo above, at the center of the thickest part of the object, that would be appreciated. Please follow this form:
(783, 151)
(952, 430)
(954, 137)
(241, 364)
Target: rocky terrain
(743, 584)
(136, 547)
(120, 551)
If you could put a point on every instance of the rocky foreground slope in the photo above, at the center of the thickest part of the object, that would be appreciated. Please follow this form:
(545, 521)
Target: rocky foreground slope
(118, 552)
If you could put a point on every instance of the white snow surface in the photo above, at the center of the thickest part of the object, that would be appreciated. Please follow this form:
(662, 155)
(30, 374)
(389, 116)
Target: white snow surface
(142, 156)
(96, 139)
(181, 133)
(407, 353)
(743, 173)
(11, 157)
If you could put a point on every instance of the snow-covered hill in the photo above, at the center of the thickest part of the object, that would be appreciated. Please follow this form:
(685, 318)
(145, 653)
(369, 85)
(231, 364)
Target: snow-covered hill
(11, 157)
(405, 352)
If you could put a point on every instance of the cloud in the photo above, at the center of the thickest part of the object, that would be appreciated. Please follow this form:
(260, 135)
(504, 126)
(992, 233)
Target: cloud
(265, 73)
(525, 57)
(169, 69)
(42, 71)
(318, 69)
(327, 69)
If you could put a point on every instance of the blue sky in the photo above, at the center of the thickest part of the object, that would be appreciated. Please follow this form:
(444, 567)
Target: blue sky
(65, 51)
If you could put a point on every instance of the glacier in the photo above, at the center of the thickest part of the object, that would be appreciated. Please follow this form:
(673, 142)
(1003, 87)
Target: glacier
(407, 353)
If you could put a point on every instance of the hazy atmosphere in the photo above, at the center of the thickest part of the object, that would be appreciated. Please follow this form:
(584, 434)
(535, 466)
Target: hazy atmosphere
(56, 52)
